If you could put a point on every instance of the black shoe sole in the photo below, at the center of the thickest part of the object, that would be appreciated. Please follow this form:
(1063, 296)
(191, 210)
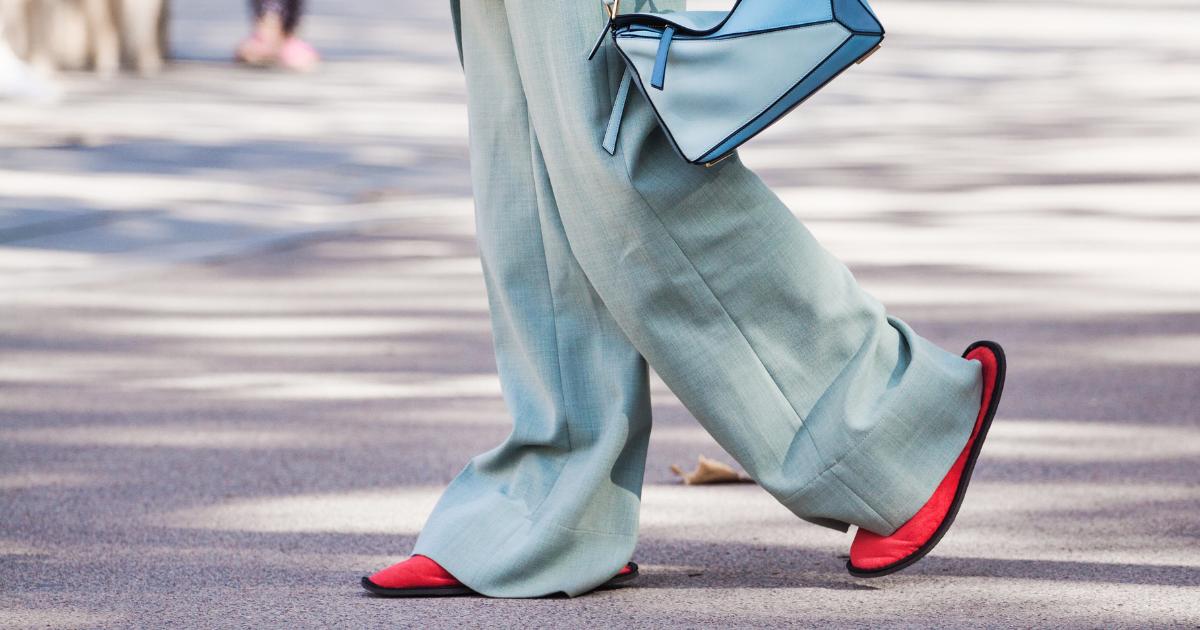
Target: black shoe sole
(968, 468)
(617, 581)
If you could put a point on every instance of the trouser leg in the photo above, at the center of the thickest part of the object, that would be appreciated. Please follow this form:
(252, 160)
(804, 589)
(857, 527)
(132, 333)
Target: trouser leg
(555, 507)
(843, 413)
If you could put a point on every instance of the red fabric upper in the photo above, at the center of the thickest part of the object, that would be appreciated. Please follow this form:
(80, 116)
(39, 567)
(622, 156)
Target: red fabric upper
(871, 551)
(423, 572)
(416, 572)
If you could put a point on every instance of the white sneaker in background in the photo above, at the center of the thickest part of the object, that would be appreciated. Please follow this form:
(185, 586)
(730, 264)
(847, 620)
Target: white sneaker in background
(20, 82)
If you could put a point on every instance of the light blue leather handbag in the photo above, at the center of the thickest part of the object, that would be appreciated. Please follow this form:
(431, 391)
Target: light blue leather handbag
(715, 79)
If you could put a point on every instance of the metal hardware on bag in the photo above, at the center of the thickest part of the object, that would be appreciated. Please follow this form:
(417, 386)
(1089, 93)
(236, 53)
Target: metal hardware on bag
(869, 53)
(718, 160)
(611, 8)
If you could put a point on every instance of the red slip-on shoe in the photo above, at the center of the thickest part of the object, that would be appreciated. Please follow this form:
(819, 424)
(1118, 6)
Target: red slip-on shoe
(872, 555)
(420, 576)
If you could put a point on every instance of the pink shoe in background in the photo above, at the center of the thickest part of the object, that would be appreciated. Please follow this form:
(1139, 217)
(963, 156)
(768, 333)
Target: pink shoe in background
(297, 54)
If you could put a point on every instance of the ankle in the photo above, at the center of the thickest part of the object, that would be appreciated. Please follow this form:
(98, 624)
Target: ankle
(269, 29)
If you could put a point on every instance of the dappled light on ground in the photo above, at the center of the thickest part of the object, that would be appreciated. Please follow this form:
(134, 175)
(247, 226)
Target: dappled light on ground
(244, 339)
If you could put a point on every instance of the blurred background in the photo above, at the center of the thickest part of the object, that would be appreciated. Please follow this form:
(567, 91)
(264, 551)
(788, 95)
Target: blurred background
(244, 340)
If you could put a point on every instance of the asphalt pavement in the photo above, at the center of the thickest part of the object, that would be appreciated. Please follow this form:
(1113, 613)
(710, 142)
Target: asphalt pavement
(244, 338)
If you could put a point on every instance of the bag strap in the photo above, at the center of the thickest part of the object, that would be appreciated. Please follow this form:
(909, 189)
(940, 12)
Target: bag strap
(611, 6)
(660, 59)
(618, 112)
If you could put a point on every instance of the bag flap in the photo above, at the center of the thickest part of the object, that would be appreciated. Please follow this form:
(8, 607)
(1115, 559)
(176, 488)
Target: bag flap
(754, 16)
(689, 22)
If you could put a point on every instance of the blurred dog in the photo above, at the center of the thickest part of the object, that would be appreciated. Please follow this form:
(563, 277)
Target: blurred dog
(99, 35)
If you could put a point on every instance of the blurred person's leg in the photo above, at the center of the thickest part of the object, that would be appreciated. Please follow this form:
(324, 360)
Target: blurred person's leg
(292, 10)
(262, 46)
(104, 37)
(287, 11)
(14, 26)
(555, 507)
(294, 53)
(17, 79)
(841, 412)
(20, 23)
(37, 22)
(143, 24)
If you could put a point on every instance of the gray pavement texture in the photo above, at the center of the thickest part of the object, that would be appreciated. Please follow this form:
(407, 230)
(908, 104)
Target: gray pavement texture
(244, 339)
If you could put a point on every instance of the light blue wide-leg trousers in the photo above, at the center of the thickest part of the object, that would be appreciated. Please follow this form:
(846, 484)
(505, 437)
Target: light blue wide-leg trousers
(597, 264)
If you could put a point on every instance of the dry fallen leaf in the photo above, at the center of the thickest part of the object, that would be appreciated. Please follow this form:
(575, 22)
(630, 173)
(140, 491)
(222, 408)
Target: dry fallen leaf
(709, 471)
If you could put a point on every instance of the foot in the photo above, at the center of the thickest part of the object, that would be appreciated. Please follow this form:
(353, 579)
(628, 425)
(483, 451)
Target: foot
(872, 555)
(264, 46)
(257, 51)
(420, 576)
